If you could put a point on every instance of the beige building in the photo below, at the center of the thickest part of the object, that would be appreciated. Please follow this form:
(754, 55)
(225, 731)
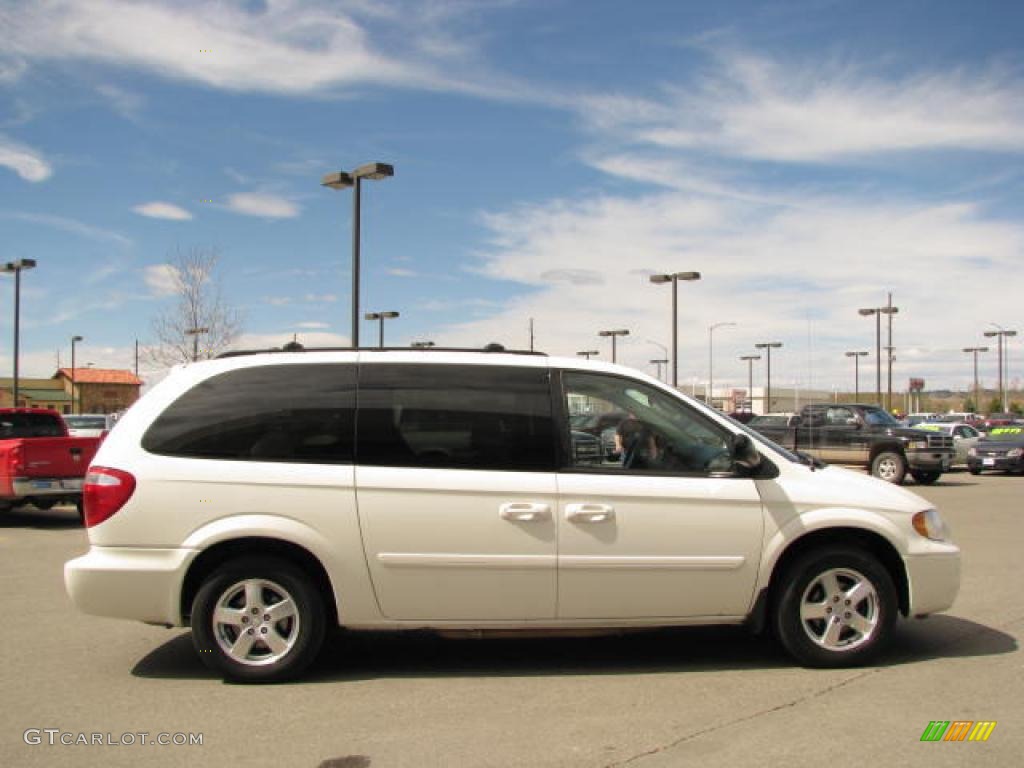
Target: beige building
(96, 390)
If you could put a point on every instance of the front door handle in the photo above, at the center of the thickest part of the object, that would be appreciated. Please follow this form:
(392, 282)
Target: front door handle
(524, 512)
(589, 513)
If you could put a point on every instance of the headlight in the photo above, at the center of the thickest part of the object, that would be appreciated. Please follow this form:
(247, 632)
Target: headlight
(918, 445)
(1015, 453)
(929, 524)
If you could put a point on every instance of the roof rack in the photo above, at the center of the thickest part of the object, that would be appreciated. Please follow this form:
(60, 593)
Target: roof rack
(293, 346)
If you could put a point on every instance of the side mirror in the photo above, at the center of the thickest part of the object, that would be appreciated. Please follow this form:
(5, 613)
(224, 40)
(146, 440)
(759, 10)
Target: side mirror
(744, 452)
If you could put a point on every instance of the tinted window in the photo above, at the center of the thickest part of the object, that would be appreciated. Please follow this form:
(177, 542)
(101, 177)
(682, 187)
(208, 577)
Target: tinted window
(455, 416)
(14, 425)
(655, 433)
(299, 413)
(86, 422)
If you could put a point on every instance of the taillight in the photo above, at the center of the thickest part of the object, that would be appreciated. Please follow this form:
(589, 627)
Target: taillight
(104, 492)
(16, 460)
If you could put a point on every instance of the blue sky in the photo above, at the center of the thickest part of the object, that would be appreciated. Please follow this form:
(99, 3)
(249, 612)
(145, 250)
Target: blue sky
(806, 157)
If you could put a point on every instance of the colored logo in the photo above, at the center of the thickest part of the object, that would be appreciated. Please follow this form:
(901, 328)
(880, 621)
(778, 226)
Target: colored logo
(958, 730)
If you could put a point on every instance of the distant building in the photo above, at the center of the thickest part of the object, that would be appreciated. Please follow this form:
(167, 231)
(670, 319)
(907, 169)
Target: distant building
(97, 390)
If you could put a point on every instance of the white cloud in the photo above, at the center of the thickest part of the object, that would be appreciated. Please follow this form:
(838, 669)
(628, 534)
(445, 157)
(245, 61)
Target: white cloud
(326, 298)
(126, 103)
(162, 279)
(265, 206)
(24, 161)
(158, 210)
(69, 225)
(753, 107)
(285, 46)
(401, 272)
(792, 269)
(278, 301)
(313, 326)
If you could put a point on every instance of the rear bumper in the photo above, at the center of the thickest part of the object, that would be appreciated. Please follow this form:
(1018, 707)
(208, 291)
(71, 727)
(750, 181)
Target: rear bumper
(25, 487)
(934, 579)
(129, 583)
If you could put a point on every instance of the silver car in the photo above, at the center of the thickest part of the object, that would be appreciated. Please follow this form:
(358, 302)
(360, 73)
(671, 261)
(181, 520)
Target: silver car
(964, 437)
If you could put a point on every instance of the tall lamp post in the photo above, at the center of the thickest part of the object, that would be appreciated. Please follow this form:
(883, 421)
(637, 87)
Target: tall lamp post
(674, 278)
(977, 393)
(711, 359)
(16, 267)
(1002, 334)
(614, 335)
(878, 312)
(74, 401)
(768, 346)
(750, 379)
(194, 333)
(588, 353)
(342, 180)
(381, 317)
(856, 372)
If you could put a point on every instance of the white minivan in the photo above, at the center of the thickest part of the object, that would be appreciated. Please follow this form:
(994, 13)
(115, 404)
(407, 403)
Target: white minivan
(262, 497)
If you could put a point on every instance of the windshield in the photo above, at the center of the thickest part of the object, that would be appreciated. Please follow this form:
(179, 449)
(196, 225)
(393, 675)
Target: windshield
(1006, 434)
(879, 418)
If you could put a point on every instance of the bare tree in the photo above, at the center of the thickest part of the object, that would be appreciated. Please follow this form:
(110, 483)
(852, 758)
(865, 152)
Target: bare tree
(193, 280)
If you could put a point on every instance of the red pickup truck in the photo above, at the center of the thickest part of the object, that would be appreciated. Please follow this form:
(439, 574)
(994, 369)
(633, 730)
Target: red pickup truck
(39, 463)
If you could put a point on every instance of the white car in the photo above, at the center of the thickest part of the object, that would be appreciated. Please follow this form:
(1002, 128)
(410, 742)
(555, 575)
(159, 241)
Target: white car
(262, 497)
(87, 424)
(965, 437)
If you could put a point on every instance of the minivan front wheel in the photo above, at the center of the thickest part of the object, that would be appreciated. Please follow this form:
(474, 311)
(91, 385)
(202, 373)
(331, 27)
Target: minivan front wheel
(258, 620)
(837, 608)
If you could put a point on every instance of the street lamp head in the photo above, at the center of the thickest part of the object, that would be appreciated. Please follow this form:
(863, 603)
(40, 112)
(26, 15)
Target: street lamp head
(588, 352)
(661, 279)
(990, 334)
(867, 312)
(687, 275)
(373, 171)
(389, 314)
(337, 180)
(975, 349)
(1009, 333)
(889, 310)
(618, 332)
(76, 338)
(750, 357)
(768, 345)
(422, 344)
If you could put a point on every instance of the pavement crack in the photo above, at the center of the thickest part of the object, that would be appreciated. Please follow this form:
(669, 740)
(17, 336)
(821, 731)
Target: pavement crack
(746, 718)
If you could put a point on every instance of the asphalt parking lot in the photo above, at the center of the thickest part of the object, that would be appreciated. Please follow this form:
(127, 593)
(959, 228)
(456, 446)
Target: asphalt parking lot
(713, 697)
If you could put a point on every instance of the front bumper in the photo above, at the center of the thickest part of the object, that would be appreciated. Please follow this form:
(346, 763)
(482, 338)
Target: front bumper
(129, 583)
(930, 460)
(934, 579)
(979, 463)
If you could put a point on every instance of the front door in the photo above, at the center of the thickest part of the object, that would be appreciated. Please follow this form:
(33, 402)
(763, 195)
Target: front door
(665, 529)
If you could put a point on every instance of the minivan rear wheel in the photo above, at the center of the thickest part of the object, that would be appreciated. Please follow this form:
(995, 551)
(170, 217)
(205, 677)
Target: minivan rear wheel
(837, 608)
(258, 620)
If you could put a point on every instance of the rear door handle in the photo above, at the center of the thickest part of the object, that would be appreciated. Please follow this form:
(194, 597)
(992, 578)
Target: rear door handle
(589, 513)
(524, 512)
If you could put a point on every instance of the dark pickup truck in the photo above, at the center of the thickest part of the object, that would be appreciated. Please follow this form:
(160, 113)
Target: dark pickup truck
(39, 463)
(864, 436)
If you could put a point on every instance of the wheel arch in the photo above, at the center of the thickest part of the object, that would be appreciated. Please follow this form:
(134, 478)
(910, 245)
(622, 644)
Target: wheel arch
(263, 546)
(864, 539)
(894, 446)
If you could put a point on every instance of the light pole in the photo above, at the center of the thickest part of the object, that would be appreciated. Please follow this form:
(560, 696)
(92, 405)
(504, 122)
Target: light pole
(614, 334)
(381, 316)
(856, 373)
(588, 353)
(660, 362)
(1002, 334)
(711, 359)
(977, 394)
(74, 405)
(750, 380)
(674, 278)
(194, 333)
(341, 180)
(768, 346)
(16, 267)
(878, 312)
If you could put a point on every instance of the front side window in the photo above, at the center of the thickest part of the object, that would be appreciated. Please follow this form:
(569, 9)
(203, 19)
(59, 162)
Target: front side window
(654, 433)
(455, 417)
(290, 413)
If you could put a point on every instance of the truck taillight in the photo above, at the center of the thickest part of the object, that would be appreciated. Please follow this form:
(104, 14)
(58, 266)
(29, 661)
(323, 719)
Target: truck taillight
(104, 492)
(16, 460)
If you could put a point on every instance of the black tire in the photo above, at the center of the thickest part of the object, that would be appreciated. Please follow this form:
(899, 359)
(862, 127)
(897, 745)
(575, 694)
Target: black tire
(854, 643)
(80, 509)
(889, 466)
(926, 478)
(974, 470)
(43, 504)
(273, 580)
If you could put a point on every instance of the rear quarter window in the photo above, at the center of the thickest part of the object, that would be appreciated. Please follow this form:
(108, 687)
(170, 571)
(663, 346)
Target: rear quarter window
(288, 413)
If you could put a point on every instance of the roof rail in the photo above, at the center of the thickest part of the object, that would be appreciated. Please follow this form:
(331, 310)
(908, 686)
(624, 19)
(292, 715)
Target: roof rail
(293, 346)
